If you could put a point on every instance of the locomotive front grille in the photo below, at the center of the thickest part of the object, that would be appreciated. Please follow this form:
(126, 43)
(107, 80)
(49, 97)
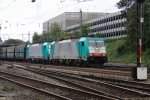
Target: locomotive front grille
(97, 51)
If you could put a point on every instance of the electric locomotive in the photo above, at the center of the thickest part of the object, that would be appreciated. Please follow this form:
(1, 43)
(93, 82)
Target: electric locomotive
(82, 51)
(85, 50)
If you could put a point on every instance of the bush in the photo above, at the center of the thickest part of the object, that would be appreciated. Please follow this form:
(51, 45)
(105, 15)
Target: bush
(119, 51)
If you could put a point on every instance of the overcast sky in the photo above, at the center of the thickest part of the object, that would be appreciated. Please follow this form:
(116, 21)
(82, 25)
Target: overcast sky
(19, 17)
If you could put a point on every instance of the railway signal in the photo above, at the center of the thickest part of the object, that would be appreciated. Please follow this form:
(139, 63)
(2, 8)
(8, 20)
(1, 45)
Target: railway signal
(140, 20)
(141, 72)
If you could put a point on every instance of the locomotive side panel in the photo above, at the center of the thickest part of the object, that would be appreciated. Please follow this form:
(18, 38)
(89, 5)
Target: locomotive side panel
(34, 51)
(66, 50)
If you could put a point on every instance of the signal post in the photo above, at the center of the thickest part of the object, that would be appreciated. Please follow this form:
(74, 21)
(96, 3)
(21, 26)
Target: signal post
(141, 72)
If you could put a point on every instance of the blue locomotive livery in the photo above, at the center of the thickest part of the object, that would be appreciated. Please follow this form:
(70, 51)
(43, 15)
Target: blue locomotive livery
(79, 51)
(82, 51)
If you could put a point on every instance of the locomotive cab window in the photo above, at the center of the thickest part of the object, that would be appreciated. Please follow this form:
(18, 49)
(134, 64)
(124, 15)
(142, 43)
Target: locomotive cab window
(82, 43)
(96, 43)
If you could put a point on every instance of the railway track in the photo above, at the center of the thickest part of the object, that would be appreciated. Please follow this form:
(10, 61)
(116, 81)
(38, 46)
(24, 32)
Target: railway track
(139, 86)
(127, 91)
(86, 71)
(22, 81)
(86, 68)
(58, 91)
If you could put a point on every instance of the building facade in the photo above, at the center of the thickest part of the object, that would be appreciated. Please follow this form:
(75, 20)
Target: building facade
(67, 19)
(109, 26)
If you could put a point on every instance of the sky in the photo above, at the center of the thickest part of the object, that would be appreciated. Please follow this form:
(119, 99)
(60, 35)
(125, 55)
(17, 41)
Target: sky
(19, 18)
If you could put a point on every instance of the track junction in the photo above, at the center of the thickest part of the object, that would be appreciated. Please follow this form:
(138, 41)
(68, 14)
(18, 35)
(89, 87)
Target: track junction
(93, 83)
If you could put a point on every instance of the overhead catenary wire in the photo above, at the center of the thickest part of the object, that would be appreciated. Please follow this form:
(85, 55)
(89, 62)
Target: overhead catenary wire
(56, 12)
(45, 15)
(41, 17)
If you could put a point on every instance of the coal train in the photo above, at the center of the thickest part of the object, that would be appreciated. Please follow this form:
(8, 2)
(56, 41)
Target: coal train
(82, 51)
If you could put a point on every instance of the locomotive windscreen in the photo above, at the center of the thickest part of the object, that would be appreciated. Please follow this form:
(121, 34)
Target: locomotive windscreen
(96, 43)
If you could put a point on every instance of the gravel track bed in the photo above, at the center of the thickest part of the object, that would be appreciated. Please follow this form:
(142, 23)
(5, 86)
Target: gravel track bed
(113, 91)
(51, 88)
(22, 93)
(12, 91)
(101, 87)
(96, 73)
(104, 88)
(25, 73)
(82, 71)
(29, 74)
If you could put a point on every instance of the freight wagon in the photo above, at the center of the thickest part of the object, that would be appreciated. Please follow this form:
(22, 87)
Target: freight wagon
(10, 54)
(20, 53)
(3, 54)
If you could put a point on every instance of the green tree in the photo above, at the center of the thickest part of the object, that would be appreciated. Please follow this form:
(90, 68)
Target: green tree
(14, 41)
(146, 25)
(55, 32)
(76, 33)
(35, 38)
(44, 37)
(123, 4)
(27, 42)
(85, 29)
(63, 35)
(131, 24)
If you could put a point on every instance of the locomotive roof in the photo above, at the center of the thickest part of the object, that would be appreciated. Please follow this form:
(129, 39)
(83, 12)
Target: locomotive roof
(46, 43)
(90, 38)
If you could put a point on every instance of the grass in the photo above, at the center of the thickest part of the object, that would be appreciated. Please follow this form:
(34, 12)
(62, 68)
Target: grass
(113, 46)
(8, 88)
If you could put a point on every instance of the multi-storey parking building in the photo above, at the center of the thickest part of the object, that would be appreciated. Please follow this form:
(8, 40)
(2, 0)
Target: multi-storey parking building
(68, 19)
(109, 26)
